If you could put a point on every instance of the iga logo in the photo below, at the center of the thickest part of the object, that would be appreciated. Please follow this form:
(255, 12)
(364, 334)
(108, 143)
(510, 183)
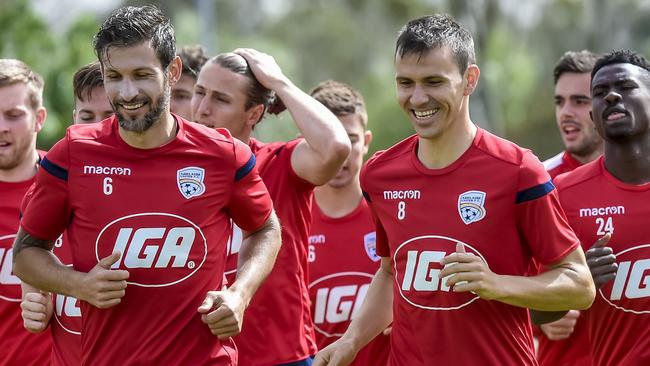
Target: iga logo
(190, 181)
(158, 249)
(67, 313)
(9, 283)
(417, 265)
(630, 289)
(337, 298)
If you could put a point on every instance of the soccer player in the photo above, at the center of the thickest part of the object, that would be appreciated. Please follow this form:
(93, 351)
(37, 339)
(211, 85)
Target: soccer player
(90, 103)
(607, 198)
(565, 342)
(22, 116)
(342, 223)
(148, 198)
(460, 214)
(193, 58)
(234, 90)
(572, 106)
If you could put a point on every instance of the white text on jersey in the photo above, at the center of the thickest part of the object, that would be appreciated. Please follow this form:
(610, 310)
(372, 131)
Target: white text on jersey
(411, 194)
(637, 284)
(338, 304)
(602, 211)
(6, 275)
(106, 170)
(177, 244)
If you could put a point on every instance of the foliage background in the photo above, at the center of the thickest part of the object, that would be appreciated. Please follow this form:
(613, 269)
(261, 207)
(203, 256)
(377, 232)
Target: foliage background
(518, 43)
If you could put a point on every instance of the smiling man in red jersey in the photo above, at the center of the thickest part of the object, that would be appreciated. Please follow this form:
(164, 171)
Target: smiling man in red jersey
(147, 200)
(460, 216)
(572, 106)
(22, 116)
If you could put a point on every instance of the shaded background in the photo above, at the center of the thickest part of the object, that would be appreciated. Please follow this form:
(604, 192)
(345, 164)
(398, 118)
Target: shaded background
(517, 43)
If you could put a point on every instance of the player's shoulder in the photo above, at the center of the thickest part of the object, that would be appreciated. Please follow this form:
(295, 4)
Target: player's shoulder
(393, 154)
(501, 149)
(200, 134)
(90, 131)
(579, 176)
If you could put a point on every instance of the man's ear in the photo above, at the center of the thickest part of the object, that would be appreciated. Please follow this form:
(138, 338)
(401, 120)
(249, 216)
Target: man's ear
(367, 139)
(255, 115)
(471, 75)
(41, 114)
(175, 70)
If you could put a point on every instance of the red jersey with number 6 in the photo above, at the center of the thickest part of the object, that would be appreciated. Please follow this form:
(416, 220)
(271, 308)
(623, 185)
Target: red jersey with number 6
(499, 203)
(168, 211)
(342, 261)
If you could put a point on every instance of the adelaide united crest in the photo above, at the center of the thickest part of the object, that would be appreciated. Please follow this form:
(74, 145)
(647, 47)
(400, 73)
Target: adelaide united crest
(190, 181)
(471, 206)
(370, 244)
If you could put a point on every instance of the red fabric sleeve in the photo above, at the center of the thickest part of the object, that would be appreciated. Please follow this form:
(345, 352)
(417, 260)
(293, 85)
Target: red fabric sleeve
(540, 219)
(250, 204)
(47, 212)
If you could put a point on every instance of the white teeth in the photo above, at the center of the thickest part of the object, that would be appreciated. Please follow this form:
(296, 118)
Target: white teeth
(425, 114)
(132, 106)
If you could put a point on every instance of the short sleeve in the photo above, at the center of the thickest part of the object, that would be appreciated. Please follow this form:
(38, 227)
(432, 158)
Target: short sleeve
(250, 204)
(541, 221)
(46, 209)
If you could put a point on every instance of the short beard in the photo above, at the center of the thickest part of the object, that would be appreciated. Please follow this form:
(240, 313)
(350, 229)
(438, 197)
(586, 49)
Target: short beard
(151, 117)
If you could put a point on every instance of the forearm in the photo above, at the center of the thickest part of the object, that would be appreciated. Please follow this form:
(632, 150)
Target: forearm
(558, 289)
(319, 127)
(256, 258)
(40, 268)
(375, 314)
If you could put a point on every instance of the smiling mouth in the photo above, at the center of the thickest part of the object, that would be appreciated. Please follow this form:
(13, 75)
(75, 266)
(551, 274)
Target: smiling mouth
(4, 144)
(132, 106)
(425, 114)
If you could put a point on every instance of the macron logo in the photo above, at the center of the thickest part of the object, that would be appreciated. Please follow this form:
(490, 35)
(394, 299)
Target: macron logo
(413, 194)
(602, 211)
(106, 170)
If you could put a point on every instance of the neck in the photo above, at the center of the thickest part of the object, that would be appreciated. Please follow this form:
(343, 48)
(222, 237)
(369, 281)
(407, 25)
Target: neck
(338, 202)
(24, 171)
(629, 162)
(584, 159)
(443, 150)
(160, 133)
